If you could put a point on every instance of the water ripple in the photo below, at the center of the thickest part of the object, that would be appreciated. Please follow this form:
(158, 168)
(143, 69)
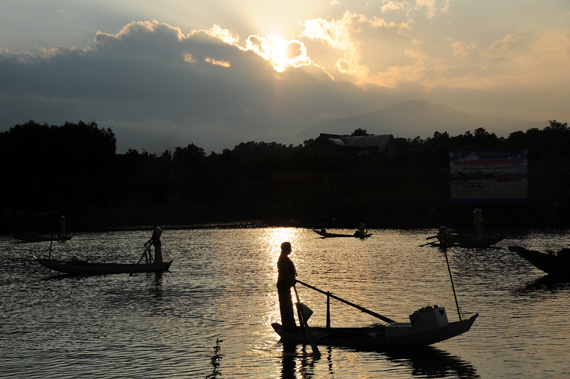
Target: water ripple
(222, 287)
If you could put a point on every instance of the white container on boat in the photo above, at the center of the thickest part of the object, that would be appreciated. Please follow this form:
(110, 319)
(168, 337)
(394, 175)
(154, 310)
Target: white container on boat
(428, 320)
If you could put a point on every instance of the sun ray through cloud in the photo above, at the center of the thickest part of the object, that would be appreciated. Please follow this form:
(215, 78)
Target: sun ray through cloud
(258, 70)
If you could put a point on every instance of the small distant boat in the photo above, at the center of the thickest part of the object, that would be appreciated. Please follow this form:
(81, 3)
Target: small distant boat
(81, 267)
(39, 237)
(468, 240)
(554, 263)
(323, 233)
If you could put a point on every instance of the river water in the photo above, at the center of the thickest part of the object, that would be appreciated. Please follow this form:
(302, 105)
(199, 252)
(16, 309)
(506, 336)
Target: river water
(220, 294)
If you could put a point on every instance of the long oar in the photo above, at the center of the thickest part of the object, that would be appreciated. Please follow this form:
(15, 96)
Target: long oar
(383, 318)
(428, 243)
(147, 249)
(50, 243)
(305, 326)
(452, 285)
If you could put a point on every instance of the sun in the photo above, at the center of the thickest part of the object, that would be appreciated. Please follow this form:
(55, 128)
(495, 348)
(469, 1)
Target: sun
(281, 53)
(278, 53)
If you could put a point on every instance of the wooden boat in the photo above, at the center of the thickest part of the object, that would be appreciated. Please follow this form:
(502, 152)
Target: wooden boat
(427, 326)
(38, 237)
(469, 240)
(81, 267)
(378, 337)
(323, 233)
(555, 263)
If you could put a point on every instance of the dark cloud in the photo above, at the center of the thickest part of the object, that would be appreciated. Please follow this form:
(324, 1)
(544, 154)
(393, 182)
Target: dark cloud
(159, 89)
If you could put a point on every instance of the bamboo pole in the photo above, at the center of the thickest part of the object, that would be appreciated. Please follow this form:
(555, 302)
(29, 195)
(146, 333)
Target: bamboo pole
(452, 285)
(362, 309)
(305, 326)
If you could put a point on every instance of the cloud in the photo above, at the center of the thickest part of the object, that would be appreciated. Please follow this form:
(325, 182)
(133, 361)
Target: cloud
(515, 61)
(430, 7)
(391, 6)
(542, 61)
(151, 77)
(222, 34)
(510, 42)
(159, 87)
(281, 53)
(371, 50)
(461, 49)
(346, 36)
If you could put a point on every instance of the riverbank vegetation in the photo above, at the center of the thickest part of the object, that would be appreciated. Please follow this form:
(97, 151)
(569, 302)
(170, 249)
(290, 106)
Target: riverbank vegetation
(74, 169)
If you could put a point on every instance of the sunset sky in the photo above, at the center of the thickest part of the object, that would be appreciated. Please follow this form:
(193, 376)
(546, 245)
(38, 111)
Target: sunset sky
(219, 72)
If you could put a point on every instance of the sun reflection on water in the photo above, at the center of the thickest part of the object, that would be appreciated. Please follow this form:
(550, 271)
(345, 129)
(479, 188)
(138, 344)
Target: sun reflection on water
(222, 285)
(274, 237)
(270, 239)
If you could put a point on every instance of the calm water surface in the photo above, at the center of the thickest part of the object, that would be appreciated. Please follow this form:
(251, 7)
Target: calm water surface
(221, 286)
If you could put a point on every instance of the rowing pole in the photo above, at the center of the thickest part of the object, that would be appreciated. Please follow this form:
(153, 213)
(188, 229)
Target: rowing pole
(452, 285)
(383, 318)
(305, 326)
(144, 255)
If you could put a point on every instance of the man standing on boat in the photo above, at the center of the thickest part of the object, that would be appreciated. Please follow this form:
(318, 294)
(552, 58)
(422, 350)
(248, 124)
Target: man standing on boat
(285, 281)
(478, 220)
(62, 230)
(155, 240)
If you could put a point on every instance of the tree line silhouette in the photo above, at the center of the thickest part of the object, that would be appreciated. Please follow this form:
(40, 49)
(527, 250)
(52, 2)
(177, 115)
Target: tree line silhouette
(74, 168)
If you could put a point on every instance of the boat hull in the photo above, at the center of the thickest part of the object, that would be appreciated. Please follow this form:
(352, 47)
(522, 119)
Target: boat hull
(553, 264)
(34, 237)
(465, 240)
(374, 338)
(87, 268)
(338, 235)
(476, 241)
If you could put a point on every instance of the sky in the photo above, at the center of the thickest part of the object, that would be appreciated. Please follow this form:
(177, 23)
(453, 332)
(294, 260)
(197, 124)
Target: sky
(218, 73)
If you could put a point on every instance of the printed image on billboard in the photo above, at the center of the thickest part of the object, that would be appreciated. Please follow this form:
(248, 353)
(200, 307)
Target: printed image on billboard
(489, 176)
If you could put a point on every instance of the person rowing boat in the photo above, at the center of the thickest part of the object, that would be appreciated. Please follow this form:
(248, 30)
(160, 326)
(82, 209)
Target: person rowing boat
(155, 240)
(286, 280)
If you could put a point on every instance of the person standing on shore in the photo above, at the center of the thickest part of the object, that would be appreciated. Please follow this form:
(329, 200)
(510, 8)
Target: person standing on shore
(286, 280)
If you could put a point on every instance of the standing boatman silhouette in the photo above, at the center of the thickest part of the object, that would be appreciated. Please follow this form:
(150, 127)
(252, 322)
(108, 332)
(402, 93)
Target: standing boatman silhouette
(286, 280)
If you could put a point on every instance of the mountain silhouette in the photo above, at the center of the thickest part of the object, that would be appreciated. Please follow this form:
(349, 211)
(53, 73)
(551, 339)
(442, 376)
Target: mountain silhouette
(410, 119)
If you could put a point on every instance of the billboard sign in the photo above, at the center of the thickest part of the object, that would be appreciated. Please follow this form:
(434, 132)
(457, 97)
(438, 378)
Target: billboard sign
(489, 176)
